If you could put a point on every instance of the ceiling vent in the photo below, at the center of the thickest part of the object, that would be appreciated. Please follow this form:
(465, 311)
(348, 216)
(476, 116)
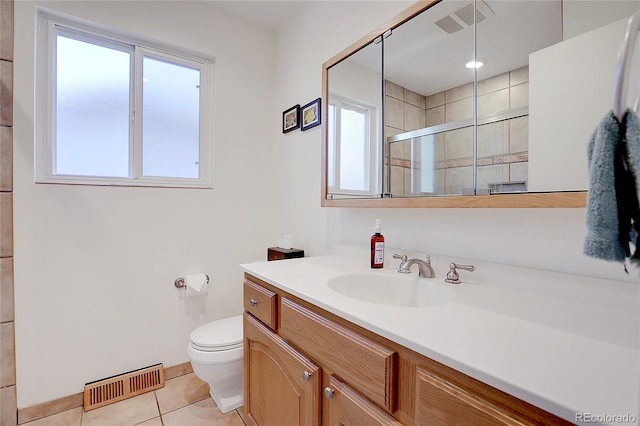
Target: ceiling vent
(461, 16)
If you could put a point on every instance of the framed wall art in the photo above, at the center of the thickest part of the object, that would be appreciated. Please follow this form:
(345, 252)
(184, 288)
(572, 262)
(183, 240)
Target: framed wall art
(310, 115)
(291, 119)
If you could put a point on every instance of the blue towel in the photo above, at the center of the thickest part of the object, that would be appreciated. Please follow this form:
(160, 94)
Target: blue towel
(612, 201)
(632, 140)
(631, 143)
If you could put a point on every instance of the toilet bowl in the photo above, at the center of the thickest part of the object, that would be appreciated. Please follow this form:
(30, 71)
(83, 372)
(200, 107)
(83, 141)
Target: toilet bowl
(215, 351)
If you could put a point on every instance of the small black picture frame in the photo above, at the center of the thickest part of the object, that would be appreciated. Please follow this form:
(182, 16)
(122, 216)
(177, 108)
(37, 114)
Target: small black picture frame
(291, 119)
(310, 114)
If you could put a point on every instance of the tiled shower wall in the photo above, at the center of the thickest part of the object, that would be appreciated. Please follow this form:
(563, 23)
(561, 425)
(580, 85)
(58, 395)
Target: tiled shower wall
(8, 403)
(502, 146)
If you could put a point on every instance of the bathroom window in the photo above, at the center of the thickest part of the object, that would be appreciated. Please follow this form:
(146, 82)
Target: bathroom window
(115, 110)
(349, 164)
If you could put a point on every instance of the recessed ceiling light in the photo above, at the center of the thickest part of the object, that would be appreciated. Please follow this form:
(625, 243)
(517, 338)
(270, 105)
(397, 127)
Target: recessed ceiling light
(475, 64)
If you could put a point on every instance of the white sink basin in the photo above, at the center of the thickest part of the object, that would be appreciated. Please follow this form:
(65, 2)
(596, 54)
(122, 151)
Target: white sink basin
(393, 290)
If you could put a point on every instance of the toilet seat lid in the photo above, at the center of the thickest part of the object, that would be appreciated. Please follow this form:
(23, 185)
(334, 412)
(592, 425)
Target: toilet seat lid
(218, 335)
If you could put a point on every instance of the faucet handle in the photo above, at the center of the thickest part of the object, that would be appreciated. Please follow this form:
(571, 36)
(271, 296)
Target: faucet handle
(401, 267)
(429, 259)
(452, 276)
(402, 257)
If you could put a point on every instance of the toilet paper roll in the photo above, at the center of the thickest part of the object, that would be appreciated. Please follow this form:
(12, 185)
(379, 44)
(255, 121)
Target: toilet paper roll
(196, 285)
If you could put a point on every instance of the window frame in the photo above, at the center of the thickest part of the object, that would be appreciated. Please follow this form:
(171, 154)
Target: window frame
(372, 154)
(50, 24)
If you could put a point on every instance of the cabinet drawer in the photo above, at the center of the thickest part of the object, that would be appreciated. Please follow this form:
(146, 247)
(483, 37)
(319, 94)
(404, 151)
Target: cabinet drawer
(360, 362)
(261, 303)
(440, 403)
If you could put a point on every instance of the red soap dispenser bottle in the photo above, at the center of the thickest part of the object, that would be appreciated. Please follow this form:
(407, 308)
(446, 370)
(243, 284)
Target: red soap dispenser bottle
(377, 248)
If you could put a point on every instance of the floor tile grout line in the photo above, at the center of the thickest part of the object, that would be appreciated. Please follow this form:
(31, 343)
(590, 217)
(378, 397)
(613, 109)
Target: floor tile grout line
(158, 404)
(179, 408)
(160, 414)
(241, 418)
(123, 401)
(155, 393)
(159, 410)
(144, 421)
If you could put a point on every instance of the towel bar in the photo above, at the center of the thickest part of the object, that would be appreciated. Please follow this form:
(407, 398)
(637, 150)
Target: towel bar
(625, 57)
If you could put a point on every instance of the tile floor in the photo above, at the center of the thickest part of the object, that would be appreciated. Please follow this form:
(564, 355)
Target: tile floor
(184, 401)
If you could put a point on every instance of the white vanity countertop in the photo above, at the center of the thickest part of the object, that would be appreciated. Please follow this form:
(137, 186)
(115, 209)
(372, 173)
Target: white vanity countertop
(565, 343)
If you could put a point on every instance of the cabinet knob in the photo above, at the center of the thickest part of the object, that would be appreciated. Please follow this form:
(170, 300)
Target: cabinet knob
(328, 392)
(306, 376)
(253, 303)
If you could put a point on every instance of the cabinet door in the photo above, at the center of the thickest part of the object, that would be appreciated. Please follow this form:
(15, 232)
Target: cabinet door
(348, 408)
(440, 403)
(281, 386)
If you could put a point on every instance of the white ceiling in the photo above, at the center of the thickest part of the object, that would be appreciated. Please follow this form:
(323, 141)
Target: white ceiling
(422, 57)
(264, 13)
(435, 58)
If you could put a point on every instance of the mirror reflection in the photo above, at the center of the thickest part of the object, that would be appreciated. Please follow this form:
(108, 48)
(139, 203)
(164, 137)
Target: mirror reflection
(433, 56)
(516, 119)
(354, 136)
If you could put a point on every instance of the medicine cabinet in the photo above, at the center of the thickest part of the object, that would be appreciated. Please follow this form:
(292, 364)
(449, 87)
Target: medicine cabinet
(409, 125)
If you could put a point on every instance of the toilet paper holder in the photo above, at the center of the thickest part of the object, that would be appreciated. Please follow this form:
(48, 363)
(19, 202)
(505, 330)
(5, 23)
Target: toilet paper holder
(179, 282)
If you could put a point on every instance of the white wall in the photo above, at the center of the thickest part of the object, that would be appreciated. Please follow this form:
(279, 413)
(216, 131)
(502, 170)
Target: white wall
(355, 82)
(537, 238)
(580, 16)
(95, 266)
(326, 29)
(571, 91)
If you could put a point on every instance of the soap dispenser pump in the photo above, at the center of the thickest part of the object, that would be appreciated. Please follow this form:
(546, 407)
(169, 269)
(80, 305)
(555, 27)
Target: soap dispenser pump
(377, 248)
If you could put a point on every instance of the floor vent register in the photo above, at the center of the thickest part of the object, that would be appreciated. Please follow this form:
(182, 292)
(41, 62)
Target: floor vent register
(117, 388)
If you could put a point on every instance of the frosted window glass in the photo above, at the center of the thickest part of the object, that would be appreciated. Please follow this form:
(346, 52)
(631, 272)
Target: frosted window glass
(353, 150)
(92, 107)
(424, 152)
(171, 120)
(331, 148)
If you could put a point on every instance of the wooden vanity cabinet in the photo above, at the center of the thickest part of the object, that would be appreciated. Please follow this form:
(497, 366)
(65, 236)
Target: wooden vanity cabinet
(441, 403)
(346, 407)
(366, 365)
(282, 386)
(261, 303)
(355, 377)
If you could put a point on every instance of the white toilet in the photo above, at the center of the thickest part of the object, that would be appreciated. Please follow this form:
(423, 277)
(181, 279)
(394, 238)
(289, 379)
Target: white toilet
(215, 351)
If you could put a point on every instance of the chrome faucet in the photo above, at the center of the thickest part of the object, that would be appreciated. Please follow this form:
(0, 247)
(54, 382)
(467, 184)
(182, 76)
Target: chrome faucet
(424, 267)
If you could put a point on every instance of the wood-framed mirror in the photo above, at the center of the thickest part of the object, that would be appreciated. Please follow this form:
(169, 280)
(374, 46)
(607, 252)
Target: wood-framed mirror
(499, 173)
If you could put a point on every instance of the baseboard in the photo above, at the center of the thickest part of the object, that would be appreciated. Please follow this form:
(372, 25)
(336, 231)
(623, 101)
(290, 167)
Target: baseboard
(177, 370)
(38, 411)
